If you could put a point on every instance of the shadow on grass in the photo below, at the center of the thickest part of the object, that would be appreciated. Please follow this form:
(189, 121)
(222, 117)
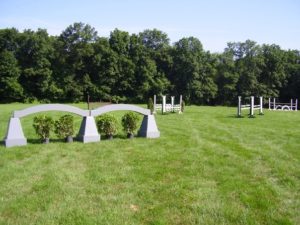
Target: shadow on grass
(75, 139)
(235, 116)
(52, 140)
(241, 117)
(118, 136)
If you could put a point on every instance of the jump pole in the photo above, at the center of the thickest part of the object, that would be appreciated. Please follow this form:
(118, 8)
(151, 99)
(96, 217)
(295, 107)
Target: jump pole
(239, 113)
(252, 107)
(261, 105)
(269, 103)
(154, 103)
(180, 103)
(163, 107)
(172, 103)
(296, 109)
(274, 104)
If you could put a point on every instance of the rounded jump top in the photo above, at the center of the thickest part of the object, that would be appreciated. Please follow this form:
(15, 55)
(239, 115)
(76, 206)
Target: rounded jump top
(119, 107)
(50, 107)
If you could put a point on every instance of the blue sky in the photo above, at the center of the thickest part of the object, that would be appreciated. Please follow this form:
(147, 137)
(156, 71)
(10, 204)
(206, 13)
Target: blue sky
(213, 22)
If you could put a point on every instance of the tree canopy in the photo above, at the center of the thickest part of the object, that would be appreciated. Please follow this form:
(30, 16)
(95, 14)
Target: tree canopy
(123, 67)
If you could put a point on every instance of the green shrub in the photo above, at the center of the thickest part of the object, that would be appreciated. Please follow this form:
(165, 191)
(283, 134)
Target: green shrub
(64, 126)
(150, 105)
(129, 122)
(107, 124)
(43, 125)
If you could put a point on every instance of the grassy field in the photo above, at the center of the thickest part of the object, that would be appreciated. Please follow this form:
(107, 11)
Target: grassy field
(208, 167)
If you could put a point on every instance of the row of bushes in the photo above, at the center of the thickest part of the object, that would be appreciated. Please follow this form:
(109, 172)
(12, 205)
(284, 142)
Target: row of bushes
(64, 127)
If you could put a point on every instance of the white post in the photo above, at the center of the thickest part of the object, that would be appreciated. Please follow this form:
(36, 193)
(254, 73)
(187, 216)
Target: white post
(269, 103)
(180, 103)
(252, 106)
(163, 107)
(154, 104)
(274, 104)
(291, 108)
(172, 103)
(239, 111)
(296, 105)
(260, 105)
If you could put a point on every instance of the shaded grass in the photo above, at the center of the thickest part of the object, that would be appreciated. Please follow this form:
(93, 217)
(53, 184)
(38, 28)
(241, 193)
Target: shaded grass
(208, 167)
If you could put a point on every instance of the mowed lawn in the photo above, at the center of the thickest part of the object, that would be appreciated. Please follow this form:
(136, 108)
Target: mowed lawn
(208, 167)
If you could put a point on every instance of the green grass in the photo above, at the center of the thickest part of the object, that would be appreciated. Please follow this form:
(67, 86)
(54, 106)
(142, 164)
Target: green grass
(208, 167)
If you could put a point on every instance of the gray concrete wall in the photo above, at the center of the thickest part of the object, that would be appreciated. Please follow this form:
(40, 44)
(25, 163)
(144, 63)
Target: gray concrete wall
(119, 107)
(88, 130)
(50, 107)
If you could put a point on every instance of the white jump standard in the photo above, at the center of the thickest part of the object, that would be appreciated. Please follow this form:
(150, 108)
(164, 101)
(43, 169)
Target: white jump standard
(250, 106)
(164, 107)
(290, 106)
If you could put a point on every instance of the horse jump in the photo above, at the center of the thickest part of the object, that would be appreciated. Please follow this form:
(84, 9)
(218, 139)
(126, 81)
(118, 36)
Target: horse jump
(290, 106)
(164, 107)
(250, 106)
(88, 130)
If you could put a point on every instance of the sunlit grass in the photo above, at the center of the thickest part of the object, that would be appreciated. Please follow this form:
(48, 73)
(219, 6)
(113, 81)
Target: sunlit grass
(208, 167)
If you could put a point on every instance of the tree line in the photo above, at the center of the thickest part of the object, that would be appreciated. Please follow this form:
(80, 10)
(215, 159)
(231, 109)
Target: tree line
(35, 66)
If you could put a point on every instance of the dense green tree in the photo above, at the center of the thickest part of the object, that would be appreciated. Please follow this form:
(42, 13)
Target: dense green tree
(123, 69)
(192, 76)
(273, 75)
(226, 79)
(248, 64)
(10, 88)
(154, 39)
(119, 41)
(131, 68)
(291, 89)
(34, 57)
(76, 52)
(102, 70)
(149, 78)
(9, 40)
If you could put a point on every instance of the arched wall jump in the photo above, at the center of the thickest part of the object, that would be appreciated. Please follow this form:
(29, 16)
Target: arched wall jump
(119, 107)
(88, 129)
(50, 107)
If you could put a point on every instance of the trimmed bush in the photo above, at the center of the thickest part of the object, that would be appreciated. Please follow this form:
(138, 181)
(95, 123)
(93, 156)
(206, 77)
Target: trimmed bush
(107, 124)
(43, 125)
(129, 123)
(64, 127)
